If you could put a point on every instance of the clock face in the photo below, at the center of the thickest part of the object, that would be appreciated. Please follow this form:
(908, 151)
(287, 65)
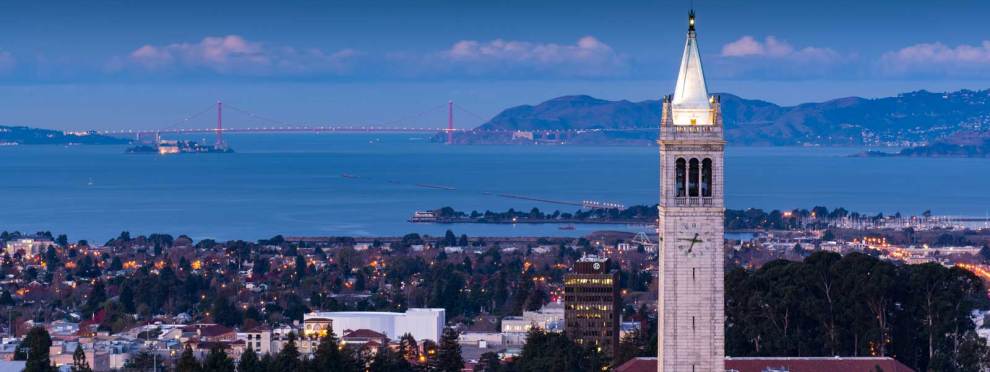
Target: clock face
(691, 245)
(597, 266)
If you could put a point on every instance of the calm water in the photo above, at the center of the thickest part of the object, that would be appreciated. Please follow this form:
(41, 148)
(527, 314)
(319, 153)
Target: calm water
(293, 185)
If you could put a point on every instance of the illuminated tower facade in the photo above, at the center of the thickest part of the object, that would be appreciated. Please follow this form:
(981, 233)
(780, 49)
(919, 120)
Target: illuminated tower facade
(692, 209)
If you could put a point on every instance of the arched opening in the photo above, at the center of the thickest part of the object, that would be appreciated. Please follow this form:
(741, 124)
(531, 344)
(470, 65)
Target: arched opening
(680, 178)
(706, 178)
(693, 177)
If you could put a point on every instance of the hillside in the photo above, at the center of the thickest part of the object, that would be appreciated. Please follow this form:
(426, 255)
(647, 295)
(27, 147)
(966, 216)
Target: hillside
(34, 136)
(965, 144)
(906, 119)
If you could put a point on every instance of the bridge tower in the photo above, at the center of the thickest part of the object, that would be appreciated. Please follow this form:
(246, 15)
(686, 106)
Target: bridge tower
(219, 143)
(450, 122)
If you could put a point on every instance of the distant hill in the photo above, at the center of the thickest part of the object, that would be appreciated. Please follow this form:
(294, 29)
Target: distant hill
(967, 144)
(35, 136)
(904, 120)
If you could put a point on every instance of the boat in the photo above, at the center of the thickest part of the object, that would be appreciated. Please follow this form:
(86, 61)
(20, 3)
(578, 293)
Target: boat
(567, 227)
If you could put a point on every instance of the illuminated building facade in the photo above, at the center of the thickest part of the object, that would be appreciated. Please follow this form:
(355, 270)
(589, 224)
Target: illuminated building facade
(591, 304)
(692, 210)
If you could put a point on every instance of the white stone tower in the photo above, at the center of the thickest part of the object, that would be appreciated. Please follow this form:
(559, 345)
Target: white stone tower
(692, 209)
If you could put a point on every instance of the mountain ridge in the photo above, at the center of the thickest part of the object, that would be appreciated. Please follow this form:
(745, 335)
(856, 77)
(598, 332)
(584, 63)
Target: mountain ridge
(907, 119)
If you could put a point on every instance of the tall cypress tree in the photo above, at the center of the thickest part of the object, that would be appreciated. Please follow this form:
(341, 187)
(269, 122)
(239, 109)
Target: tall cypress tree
(288, 358)
(79, 363)
(187, 361)
(36, 344)
(217, 361)
(329, 355)
(249, 362)
(449, 356)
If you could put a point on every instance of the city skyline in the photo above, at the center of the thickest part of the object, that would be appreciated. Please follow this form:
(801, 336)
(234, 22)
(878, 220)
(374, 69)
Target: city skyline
(118, 65)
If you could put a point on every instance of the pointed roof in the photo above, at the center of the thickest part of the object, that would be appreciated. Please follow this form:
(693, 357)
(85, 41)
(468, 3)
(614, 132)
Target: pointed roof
(691, 91)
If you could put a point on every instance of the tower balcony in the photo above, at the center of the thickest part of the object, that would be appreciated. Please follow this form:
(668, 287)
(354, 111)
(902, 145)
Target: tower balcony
(694, 201)
(691, 132)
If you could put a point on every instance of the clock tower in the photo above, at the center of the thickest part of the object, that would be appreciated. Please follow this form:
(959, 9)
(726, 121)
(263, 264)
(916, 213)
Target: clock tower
(692, 209)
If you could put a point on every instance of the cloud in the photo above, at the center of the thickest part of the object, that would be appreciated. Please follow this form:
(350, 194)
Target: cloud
(773, 58)
(235, 55)
(771, 47)
(937, 59)
(588, 57)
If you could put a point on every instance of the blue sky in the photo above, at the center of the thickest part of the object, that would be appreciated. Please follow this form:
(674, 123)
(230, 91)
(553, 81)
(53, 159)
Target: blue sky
(143, 64)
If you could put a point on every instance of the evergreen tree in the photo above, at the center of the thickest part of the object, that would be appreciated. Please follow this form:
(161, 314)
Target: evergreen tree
(79, 363)
(6, 299)
(217, 361)
(288, 358)
(126, 299)
(144, 361)
(385, 360)
(408, 348)
(249, 362)
(267, 363)
(35, 348)
(329, 355)
(556, 352)
(96, 297)
(449, 356)
(488, 362)
(187, 361)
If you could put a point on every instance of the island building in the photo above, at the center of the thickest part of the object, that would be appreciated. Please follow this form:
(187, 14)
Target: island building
(691, 336)
(591, 304)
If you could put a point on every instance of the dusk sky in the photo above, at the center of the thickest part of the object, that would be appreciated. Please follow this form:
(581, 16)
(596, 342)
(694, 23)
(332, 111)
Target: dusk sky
(146, 64)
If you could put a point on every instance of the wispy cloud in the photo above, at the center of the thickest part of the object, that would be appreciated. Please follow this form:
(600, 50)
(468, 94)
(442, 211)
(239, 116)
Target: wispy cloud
(588, 57)
(937, 59)
(235, 55)
(771, 47)
(775, 58)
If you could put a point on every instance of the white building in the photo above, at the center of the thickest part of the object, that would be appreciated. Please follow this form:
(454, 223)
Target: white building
(549, 318)
(422, 324)
(30, 246)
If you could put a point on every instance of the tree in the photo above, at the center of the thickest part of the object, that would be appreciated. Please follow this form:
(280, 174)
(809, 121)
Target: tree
(633, 345)
(385, 360)
(449, 239)
(449, 356)
(488, 362)
(300, 268)
(556, 352)
(217, 361)
(329, 355)
(288, 358)
(35, 345)
(96, 297)
(79, 363)
(187, 361)
(249, 362)
(408, 347)
(144, 361)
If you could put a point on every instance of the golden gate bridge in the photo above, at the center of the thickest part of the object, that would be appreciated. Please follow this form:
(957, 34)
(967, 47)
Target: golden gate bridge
(269, 125)
(278, 126)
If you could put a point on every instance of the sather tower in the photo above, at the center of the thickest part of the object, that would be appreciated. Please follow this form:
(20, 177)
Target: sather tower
(692, 318)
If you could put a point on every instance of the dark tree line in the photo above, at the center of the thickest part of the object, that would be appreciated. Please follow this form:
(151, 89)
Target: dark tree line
(752, 218)
(857, 305)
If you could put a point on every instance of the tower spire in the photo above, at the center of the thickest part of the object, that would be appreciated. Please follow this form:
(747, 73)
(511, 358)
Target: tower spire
(691, 91)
